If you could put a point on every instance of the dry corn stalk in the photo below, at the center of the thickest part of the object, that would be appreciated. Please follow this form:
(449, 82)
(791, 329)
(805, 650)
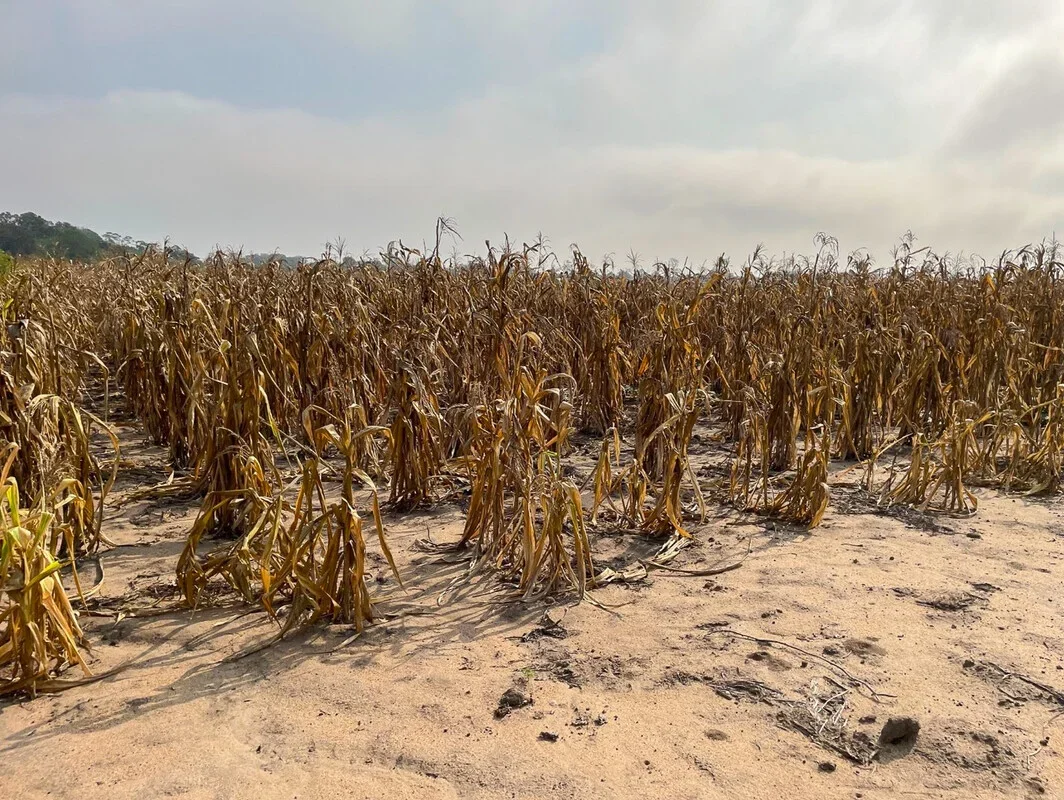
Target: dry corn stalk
(39, 631)
(221, 361)
(603, 477)
(55, 464)
(307, 559)
(524, 520)
(805, 500)
(415, 438)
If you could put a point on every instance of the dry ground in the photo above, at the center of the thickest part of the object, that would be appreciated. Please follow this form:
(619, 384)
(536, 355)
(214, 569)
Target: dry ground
(744, 684)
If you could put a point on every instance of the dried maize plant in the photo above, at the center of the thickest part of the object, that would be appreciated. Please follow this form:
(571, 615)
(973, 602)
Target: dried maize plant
(54, 464)
(928, 477)
(308, 559)
(139, 353)
(49, 318)
(238, 562)
(738, 354)
(863, 401)
(235, 469)
(914, 487)
(506, 334)
(652, 414)
(995, 352)
(673, 364)
(187, 337)
(674, 435)
(777, 373)
(39, 631)
(1035, 459)
(73, 484)
(307, 341)
(416, 431)
(922, 392)
(316, 564)
(557, 414)
(463, 428)
(46, 341)
(369, 453)
(32, 354)
(805, 500)
(130, 339)
(332, 356)
(165, 353)
(959, 452)
(556, 552)
(603, 478)
(748, 483)
(1004, 447)
(784, 413)
(524, 520)
(600, 360)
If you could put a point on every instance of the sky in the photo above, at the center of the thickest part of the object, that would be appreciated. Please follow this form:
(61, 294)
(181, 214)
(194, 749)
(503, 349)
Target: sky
(671, 129)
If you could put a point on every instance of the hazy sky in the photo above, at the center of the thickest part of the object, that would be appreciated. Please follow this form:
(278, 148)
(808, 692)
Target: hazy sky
(674, 127)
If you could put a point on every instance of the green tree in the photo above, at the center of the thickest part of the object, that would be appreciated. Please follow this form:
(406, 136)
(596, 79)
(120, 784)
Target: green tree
(16, 238)
(30, 234)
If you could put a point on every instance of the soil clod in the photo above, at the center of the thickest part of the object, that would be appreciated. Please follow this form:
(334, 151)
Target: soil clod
(511, 700)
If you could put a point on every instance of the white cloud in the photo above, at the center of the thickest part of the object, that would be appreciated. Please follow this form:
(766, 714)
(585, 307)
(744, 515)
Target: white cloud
(697, 128)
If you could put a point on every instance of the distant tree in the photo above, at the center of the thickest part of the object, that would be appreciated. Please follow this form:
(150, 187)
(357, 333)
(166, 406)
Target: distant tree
(7, 263)
(16, 238)
(75, 243)
(30, 234)
(117, 241)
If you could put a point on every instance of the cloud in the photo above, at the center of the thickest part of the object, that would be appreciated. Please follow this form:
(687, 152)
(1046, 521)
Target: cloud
(1023, 106)
(679, 130)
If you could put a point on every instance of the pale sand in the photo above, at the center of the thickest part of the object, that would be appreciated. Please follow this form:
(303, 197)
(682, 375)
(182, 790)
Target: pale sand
(407, 709)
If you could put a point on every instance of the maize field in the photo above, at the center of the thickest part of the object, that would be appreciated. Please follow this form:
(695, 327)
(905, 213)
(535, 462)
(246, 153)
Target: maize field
(301, 407)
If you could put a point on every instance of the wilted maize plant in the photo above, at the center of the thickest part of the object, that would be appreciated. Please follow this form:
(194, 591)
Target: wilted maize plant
(415, 448)
(805, 500)
(413, 371)
(525, 520)
(39, 631)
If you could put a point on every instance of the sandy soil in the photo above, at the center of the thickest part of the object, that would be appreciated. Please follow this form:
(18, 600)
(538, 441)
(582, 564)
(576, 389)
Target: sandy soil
(743, 684)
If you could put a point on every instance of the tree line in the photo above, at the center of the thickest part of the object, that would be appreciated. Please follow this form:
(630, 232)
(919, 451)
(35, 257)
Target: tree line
(30, 234)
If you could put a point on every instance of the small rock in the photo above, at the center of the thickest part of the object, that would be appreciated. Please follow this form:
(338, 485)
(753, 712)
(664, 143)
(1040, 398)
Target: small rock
(716, 735)
(511, 700)
(548, 736)
(826, 766)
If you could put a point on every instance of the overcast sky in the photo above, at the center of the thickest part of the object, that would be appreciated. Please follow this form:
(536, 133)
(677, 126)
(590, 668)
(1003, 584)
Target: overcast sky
(675, 128)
